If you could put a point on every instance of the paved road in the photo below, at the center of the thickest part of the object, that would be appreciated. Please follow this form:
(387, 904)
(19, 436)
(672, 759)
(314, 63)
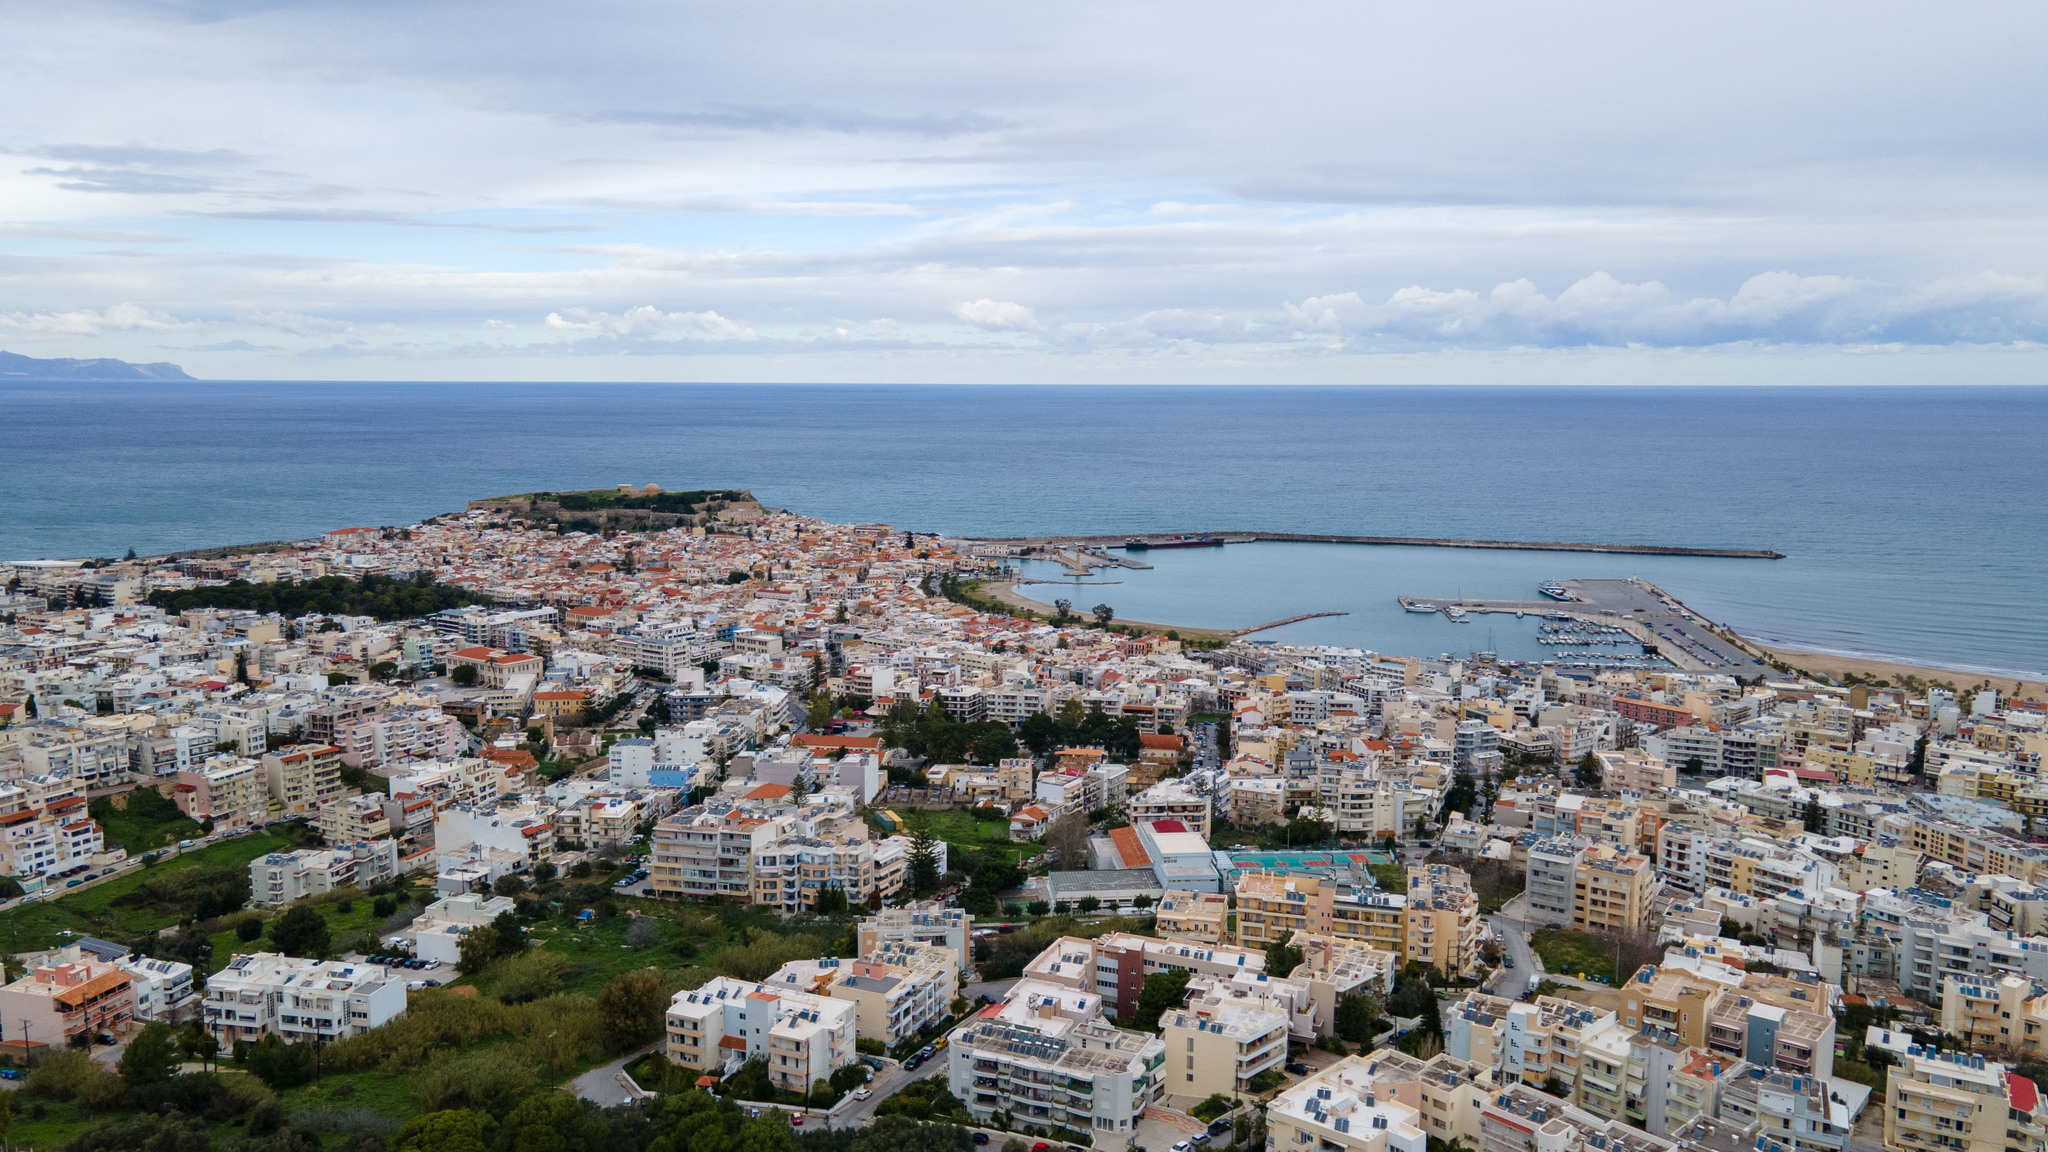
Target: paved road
(601, 1085)
(1513, 982)
(993, 989)
(891, 1079)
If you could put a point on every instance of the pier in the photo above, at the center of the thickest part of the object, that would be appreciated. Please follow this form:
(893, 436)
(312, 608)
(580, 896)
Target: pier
(1278, 623)
(1653, 617)
(1116, 540)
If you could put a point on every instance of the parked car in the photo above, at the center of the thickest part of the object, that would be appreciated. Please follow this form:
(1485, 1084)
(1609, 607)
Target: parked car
(1509, 961)
(796, 1120)
(1199, 1139)
(1184, 1146)
(1223, 1123)
(862, 1093)
(979, 1137)
(1292, 1070)
(1041, 1146)
(73, 883)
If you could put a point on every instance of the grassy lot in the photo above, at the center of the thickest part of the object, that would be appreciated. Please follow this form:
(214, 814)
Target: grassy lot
(342, 926)
(141, 820)
(380, 1092)
(1390, 877)
(92, 911)
(1571, 953)
(963, 833)
(597, 951)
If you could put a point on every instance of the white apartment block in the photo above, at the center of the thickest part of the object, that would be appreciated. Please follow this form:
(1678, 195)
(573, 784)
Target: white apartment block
(803, 1037)
(897, 990)
(299, 1000)
(282, 878)
(926, 922)
(437, 933)
(1172, 799)
(163, 988)
(1047, 1057)
(1339, 1110)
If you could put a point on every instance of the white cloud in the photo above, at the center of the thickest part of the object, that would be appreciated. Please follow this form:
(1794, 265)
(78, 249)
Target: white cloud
(294, 323)
(647, 321)
(86, 322)
(998, 315)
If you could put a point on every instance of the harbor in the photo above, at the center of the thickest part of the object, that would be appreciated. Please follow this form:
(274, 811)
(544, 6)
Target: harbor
(1582, 619)
(1148, 541)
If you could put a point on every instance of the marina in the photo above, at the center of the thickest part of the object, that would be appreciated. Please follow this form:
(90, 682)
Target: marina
(1613, 613)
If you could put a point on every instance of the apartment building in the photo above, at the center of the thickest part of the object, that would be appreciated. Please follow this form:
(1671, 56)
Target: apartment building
(1193, 915)
(465, 780)
(1172, 799)
(302, 777)
(925, 922)
(1551, 885)
(301, 1001)
(1612, 890)
(282, 878)
(1218, 1046)
(802, 1037)
(897, 990)
(163, 988)
(231, 791)
(1046, 1057)
(1270, 905)
(1959, 1102)
(706, 854)
(1441, 926)
(438, 931)
(48, 842)
(1115, 965)
(384, 739)
(52, 1003)
(1334, 968)
(1977, 849)
(1343, 1109)
(349, 818)
(1521, 1119)
(1798, 1113)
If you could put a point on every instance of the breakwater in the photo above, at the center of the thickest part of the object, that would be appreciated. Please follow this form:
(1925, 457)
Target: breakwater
(1114, 539)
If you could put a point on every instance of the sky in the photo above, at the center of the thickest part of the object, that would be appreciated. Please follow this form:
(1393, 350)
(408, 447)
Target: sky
(1179, 192)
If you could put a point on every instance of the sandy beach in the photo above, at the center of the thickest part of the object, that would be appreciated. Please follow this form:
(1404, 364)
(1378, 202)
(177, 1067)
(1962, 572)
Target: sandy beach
(1840, 666)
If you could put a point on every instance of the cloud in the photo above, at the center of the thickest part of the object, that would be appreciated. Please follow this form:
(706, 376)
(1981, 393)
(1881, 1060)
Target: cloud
(998, 315)
(86, 322)
(227, 346)
(91, 235)
(647, 321)
(1602, 310)
(294, 323)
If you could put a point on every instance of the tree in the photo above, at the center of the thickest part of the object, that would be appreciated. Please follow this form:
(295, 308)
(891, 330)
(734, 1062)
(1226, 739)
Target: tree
(1160, 991)
(1694, 766)
(150, 1057)
(508, 885)
(1589, 771)
(249, 929)
(1061, 610)
(1103, 614)
(1812, 817)
(457, 1130)
(1282, 958)
(551, 1122)
(476, 950)
(464, 674)
(643, 932)
(1089, 904)
(196, 1043)
(923, 875)
(1355, 1014)
(281, 1065)
(301, 931)
(1141, 900)
(630, 1010)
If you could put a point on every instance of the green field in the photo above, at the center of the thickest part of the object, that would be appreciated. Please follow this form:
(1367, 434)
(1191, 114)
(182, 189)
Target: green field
(142, 821)
(963, 833)
(38, 925)
(1569, 953)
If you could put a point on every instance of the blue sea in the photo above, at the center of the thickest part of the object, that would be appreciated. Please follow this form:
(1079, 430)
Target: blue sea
(1915, 521)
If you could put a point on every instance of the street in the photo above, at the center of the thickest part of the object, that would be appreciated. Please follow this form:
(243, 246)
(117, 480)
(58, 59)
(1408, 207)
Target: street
(1513, 982)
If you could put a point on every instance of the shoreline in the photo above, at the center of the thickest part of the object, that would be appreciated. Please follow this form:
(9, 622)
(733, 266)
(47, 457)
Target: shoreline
(1006, 591)
(1837, 667)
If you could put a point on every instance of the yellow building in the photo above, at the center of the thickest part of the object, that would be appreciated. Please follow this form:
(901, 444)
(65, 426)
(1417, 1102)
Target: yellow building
(1959, 1103)
(303, 776)
(1441, 926)
(1612, 890)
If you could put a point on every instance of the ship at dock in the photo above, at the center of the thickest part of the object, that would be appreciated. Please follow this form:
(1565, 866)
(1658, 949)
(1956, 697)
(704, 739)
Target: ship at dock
(1140, 544)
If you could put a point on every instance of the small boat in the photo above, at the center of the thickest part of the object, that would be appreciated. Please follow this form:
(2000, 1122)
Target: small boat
(1420, 606)
(1555, 590)
(1457, 615)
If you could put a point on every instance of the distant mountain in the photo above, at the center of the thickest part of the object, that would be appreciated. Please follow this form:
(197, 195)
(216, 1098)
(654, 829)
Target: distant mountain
(17, 367)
